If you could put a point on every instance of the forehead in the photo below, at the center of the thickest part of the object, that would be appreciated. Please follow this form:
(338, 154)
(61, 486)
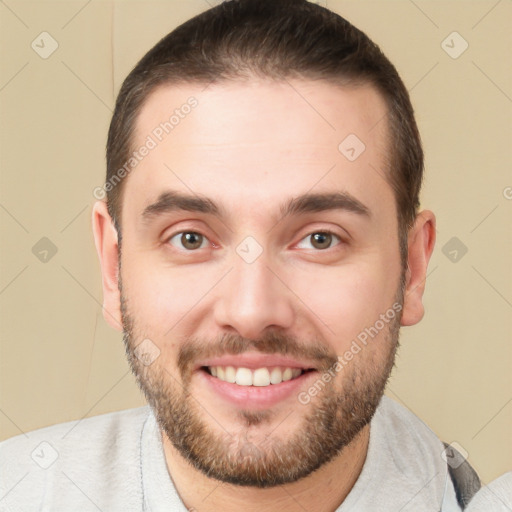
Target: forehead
(310, 111)
(260, 141)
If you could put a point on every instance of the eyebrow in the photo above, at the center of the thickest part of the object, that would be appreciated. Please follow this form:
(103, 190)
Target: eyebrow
(171, 201)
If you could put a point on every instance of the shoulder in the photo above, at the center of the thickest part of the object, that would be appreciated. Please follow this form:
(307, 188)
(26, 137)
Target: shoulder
(413, 455)
(69, 456)
(81, 434)
(495, 497)
(405, 427)
(416, 447)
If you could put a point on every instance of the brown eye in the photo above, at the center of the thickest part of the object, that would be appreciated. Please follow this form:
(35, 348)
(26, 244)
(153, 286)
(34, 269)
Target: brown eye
(190, 240)
(321, 240)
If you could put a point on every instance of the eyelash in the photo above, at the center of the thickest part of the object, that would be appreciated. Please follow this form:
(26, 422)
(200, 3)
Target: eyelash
(322, 231)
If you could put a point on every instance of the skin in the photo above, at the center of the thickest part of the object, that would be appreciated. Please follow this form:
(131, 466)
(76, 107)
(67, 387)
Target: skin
(250, 146)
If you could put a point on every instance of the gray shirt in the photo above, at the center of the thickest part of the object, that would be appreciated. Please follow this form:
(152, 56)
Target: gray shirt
(494, 497)
(115, 462)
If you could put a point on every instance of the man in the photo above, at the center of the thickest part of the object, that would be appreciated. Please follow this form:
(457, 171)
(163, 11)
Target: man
(260, 247)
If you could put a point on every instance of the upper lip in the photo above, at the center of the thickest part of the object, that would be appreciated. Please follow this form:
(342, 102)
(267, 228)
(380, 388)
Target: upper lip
(254, 361)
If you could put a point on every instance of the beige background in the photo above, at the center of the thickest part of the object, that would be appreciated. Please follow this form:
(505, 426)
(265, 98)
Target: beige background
(59, 359)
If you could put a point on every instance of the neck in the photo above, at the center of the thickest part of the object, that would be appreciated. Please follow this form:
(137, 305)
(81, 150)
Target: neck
(323, 491)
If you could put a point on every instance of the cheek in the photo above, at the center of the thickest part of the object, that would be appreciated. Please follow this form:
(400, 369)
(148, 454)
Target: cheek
(156, 309)
(163, 299)
(347, 300)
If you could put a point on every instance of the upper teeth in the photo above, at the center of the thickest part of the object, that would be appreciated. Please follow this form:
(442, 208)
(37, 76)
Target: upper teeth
(259, 377)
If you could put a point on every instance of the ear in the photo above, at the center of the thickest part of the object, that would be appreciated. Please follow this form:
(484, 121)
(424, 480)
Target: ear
(106, 240)
(422, 237)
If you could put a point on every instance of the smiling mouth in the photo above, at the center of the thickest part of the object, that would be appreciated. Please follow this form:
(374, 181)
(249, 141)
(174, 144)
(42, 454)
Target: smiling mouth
(259, 377)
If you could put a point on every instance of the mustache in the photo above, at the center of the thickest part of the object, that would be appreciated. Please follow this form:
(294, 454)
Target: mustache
(272, 343)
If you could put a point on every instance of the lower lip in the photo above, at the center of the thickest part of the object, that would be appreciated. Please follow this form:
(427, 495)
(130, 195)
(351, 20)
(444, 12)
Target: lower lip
(255, 397)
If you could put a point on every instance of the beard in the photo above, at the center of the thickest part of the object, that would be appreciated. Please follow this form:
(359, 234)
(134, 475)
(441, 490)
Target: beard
(247, 456)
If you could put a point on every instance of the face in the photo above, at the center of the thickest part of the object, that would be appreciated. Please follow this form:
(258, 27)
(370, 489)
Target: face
(261, 280)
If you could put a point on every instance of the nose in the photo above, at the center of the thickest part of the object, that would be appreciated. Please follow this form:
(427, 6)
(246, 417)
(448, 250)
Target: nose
(252, 298)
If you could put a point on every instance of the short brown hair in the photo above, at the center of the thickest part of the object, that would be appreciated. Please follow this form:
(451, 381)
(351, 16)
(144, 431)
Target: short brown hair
(278, 39)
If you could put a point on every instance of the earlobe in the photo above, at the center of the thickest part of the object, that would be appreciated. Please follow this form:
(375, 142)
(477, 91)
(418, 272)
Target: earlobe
(106, 240)
(420, 247)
